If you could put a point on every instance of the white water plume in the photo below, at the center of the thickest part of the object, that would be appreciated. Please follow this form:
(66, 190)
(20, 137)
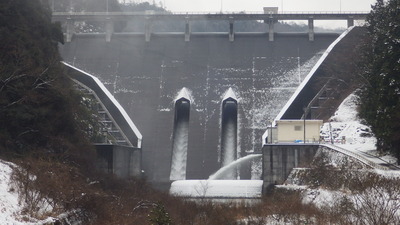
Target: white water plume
(226, 170)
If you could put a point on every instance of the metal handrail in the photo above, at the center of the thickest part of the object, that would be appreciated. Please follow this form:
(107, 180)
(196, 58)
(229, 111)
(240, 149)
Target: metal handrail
(356, 156)
(210, 13)
(261, 12)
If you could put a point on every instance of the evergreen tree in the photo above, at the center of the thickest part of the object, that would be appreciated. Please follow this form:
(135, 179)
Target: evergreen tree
(159, 216)
(380, 97)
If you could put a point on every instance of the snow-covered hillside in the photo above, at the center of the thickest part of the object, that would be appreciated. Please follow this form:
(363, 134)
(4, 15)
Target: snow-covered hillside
(9, 205)
(11, 209)
(347, 131)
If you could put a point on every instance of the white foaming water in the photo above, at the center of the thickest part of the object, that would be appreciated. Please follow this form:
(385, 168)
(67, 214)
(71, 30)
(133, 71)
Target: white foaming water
(229, 132)
(179, 151)
(229, 143)
(226, 170)
(180, 142)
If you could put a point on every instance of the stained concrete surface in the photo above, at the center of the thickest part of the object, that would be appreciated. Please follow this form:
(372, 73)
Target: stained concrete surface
(145, 78)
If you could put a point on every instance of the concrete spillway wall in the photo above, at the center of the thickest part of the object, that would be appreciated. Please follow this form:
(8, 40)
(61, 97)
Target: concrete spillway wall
(123, 161)
(280, 159)
(146, 77)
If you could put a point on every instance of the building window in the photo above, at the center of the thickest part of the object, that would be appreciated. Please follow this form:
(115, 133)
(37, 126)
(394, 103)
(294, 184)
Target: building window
(298, 128)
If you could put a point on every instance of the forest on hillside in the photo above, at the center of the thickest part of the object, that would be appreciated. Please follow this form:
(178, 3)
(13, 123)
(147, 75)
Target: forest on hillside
(380, 71)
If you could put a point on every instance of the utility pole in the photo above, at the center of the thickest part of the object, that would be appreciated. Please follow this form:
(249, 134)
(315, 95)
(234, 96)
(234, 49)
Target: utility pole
(304, 123)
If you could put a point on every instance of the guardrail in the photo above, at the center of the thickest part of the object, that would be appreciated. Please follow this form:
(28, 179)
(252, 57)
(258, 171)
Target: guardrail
(211, 12)
(279, 12)
(210, 15)
(356, 156)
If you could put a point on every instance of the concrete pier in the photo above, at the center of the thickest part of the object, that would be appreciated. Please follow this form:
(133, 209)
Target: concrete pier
(187, 31)
(109, 29)
(231, 33)
(123, 161)
(147, 29)
(70, 29)
(271, 30)
(350, 22)
(311, 29)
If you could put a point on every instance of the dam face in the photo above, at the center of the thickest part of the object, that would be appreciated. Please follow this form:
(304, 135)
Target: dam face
(146, 77)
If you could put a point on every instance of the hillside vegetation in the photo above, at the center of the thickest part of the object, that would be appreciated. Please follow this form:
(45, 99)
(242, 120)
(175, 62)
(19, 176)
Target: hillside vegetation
(380, 95)
(43, 125)
(40, 113)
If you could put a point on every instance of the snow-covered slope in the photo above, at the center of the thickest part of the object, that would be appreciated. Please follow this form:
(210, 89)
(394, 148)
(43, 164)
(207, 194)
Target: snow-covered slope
(11, 210)
(347, 131)
(9, 205)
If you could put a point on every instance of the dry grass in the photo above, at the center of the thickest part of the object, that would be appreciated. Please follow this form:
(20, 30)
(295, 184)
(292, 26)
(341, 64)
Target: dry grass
(104, 199)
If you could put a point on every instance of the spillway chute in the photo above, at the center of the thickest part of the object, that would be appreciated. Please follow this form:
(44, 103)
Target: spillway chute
(229, 128)
(180, 135)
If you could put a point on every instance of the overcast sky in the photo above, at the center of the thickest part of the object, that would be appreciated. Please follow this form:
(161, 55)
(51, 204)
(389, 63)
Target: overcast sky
(257, 5)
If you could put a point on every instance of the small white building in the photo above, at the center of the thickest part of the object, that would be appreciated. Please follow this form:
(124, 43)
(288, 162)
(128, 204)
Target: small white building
(292, 131)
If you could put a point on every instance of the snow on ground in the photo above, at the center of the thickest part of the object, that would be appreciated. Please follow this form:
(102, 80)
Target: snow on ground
(346, 130)
(321, 197)
(10, 207)
(8, 199)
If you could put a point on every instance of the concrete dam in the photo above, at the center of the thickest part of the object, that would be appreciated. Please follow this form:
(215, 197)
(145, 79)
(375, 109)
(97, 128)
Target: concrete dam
(203, 103)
